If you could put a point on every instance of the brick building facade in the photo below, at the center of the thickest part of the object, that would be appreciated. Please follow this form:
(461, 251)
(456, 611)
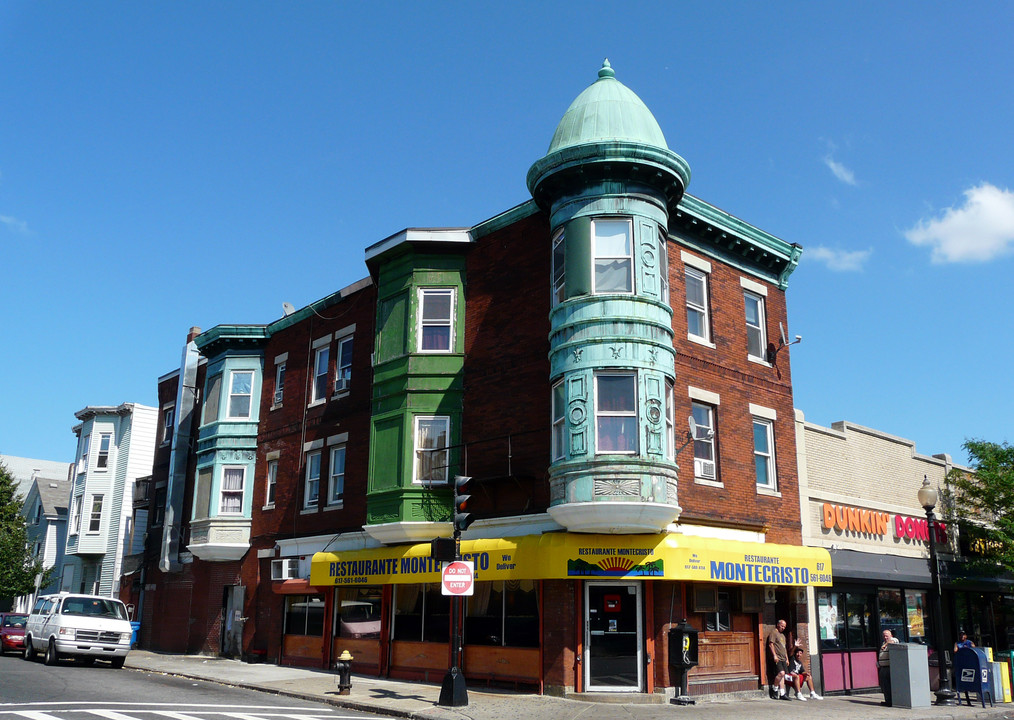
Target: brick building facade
(551, 354)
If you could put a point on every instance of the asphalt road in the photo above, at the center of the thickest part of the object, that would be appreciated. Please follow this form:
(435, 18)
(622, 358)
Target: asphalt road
(69, 691)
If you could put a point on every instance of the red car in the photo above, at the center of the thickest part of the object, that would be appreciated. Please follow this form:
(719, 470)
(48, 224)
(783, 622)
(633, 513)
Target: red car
(12, 632)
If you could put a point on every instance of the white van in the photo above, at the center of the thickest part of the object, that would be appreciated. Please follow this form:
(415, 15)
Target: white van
(81, 626)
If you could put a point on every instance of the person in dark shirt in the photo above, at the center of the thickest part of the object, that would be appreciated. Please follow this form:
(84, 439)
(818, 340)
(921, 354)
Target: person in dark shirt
(797, 676)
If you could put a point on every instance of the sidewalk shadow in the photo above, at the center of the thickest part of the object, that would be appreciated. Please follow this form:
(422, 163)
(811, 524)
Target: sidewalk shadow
(382, 694)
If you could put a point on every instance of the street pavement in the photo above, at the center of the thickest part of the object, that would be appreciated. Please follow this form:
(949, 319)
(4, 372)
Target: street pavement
(398, 698)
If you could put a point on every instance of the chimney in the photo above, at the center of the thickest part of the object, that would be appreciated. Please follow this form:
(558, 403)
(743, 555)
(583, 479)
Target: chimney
(194, 332)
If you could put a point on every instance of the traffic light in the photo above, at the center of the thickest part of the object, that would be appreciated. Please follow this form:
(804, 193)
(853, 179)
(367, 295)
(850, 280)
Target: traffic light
(462, 518)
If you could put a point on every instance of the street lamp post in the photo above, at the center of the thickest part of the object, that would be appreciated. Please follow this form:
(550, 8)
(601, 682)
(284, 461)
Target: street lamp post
(928, 499)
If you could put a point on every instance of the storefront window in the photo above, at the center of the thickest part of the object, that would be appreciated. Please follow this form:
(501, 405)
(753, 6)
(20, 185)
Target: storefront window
(421, 613)
(358, 612)
(915, 606)
(832, 621)
(304, 615)
(893, 615)
(503, 613)
(859, 620)
(719, 621)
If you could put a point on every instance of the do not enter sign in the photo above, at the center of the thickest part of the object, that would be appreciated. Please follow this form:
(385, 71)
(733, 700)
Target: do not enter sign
(458, 578)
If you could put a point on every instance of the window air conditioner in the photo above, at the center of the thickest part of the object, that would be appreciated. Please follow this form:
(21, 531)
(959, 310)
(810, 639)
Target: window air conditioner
(285, 569)
(341, 384)
(704, 469)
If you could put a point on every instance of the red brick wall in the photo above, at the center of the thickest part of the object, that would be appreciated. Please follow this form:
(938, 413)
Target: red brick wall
(506, 385)
(725, 370)
(559, 636)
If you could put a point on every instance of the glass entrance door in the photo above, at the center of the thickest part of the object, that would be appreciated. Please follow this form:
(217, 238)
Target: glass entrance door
(613, 642)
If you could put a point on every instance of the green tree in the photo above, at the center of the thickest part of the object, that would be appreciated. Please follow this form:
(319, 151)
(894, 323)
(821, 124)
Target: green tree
(18, 567)
(981, 505)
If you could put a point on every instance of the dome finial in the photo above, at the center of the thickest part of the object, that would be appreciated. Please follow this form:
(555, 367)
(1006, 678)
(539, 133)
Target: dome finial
(606, 71)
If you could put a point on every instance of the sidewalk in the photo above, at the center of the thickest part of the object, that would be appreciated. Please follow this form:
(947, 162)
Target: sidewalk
(418, 700)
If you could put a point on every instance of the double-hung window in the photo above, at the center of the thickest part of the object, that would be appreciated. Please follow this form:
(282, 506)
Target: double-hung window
(756, 336)
(240, 393)
(75, 516)
(698, 325)
(269, 495)
(436, 319)
(616, 413)
(82, 465)
(614, 264)
(168, 423)
(705, 467)
(764, 453)
(559, 267)
(95, 517)
(336, 481)
(343, 377)
(312, 485)
(102, 460)
(279, 384)
(559, 423)
(431, 434)
(321, 360)
(231, 497)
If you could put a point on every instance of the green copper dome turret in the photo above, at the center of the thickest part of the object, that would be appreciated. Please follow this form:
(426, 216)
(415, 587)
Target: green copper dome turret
(607, 111)
(608, 134)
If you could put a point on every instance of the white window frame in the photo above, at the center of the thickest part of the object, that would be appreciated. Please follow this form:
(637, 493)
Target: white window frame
(312, 458)
(670, 420)
(105, 450)
(75, 514)
(600, 414)
(767, 456)
(701, 310)
(336, 480)
(168, 423)
(596, 256)
(663, 264)
(436, 459)
(558, 420)
(558, 280)
(343, 370)
(272, 484)
(318, 389)
(436, 322)
(708, 423)
(223, 492)
(756, 293)
(83, 460)
(279, 394)
(91, 515)
(233, 374)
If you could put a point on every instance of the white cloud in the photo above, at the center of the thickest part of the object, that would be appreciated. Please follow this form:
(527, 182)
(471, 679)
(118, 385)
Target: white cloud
(980, 230)
(839, 260)
(14, 224)
(840, 171)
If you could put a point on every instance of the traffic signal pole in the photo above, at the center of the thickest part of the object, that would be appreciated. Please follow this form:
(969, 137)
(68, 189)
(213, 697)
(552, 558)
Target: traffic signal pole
(453, 692)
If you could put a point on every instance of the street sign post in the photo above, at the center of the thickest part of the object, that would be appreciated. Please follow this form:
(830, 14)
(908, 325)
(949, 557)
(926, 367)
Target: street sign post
(458, 578)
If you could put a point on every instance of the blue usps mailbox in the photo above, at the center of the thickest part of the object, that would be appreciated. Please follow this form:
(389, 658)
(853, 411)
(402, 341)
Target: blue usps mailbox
(973, 674)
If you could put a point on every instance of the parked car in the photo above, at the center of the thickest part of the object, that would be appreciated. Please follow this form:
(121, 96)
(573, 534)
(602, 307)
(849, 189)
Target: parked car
(12, 632)
(80, 626)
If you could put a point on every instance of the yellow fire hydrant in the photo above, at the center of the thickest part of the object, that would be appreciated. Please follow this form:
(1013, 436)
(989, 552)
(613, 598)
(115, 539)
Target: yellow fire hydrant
(343, 665)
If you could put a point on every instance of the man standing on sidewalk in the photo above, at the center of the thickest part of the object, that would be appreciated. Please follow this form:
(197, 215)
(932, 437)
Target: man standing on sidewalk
(778, 652)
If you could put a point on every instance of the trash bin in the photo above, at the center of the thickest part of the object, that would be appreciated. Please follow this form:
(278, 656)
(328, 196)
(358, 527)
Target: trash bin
(135, 629)
(910, 686)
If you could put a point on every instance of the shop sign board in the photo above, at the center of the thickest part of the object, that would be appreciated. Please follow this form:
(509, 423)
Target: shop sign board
(845, 518)
(667, 556)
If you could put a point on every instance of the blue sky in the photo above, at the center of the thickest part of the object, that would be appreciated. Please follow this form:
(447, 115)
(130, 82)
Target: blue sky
(168, 164)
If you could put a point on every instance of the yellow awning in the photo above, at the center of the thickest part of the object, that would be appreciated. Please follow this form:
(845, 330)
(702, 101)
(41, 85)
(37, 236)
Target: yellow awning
(571, 556)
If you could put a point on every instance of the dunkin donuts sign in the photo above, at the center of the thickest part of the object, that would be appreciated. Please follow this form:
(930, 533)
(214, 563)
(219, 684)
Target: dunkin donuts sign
(843, 518)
